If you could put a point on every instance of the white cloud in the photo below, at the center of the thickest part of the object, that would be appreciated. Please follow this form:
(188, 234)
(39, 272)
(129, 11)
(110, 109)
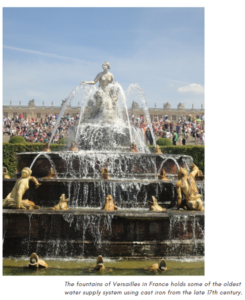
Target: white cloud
(192, 88)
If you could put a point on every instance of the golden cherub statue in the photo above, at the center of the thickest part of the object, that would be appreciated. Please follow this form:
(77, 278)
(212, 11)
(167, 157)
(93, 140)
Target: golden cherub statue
(154, 206)
(157, 150)
(162, 175)
(14, 198)
(133, 148)
(50, 175)
(187, 186)
(62, 205)
(5, 173)
(46, 148)
(109, 204)
(74, 147)
(105, 173)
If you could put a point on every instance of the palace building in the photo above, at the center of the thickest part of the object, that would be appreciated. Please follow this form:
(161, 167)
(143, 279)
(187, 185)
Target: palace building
(34, 111)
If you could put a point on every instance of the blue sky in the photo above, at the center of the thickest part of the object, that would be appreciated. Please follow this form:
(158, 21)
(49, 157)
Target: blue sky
(47, 52)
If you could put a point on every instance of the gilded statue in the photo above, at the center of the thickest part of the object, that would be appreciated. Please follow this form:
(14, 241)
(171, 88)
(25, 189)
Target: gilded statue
(105, 173)
(35, 262)
(162, 175)
(187, 186)
(160, 267)
(154, 206)
(46, 148)
(74, 147)
(62, 205)
(199, 176)
(99, 264)
(133, 148)
(14, 198)
(109, 204)
(51, 174)
(157, 150)
(5, 173)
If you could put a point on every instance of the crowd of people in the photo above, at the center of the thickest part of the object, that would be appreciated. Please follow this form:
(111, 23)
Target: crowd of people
(40, 130)
(178, 133)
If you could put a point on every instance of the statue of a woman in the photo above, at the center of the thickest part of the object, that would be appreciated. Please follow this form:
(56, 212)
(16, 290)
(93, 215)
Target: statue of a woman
(104, 78)
(14, 198)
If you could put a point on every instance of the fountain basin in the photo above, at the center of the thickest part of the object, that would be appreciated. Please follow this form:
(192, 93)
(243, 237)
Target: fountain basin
(92, 192)
(88, 164)
(82, 233)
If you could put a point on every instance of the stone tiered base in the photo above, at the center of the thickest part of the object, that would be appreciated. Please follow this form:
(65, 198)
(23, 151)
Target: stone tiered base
(89, 233)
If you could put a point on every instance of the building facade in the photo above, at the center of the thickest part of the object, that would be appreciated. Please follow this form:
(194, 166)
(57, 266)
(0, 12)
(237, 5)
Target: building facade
(37, 112)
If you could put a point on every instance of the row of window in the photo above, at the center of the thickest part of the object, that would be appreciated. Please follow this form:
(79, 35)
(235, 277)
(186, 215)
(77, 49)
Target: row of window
(174, 117)
(38, 115)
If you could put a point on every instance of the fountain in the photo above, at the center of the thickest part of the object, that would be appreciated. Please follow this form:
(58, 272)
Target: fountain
(103, 144)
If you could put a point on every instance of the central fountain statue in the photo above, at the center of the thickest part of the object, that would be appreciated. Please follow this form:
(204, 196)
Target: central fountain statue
(106, 97)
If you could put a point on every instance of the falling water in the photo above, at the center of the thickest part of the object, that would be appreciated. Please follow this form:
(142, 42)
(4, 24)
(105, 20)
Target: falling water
(134, 91)
(122, 94)
(49, 159)
(87, 93)
(29, 234)
(173, 159)
(68, 99)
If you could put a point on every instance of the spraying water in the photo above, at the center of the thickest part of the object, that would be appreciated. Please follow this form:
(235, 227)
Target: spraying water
(135, 92)
(49, 159)
(68, 100)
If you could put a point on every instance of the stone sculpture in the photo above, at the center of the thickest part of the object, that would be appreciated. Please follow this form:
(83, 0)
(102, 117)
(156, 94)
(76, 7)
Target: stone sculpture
(31, 103)
(166, 106)
(157, 150)
(154, 206)
(104, 78)
(62, 205)
(135, 105)
(50, 175)
(99, 264)
(187, 186)
(161, 267)
(105, 173)
(14, 198)
(5, 173)
(35, 262)
(133, 148)
(74, 147)
(181, 106)
(105, 98)
(46, 148)
(109, 204)
(162, 175)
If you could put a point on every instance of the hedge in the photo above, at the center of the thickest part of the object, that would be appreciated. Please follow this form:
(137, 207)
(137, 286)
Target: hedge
(9, 151)
(164, 142)
(17, 140)
(10, 162)
(197, 152)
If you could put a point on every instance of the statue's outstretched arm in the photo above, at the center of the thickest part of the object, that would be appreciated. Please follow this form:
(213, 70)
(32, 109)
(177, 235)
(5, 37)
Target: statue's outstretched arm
(33, 179)
(92, 82)
(88, 82)
(194, 171)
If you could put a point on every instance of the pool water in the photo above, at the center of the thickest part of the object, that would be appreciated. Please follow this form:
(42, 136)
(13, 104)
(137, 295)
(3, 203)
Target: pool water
(85, 267)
